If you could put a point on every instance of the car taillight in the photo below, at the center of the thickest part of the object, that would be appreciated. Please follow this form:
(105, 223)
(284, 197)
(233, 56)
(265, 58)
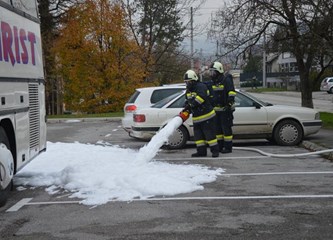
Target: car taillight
(130, 108)
(139, 118)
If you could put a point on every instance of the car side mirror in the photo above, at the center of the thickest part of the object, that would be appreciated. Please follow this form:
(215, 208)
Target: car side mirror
(256, 105)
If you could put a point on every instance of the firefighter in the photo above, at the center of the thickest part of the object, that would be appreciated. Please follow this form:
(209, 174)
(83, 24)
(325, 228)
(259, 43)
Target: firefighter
(224, 105)
(203, 115)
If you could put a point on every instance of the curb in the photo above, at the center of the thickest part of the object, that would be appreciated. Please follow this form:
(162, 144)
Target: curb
(313, 147)
(71, 120)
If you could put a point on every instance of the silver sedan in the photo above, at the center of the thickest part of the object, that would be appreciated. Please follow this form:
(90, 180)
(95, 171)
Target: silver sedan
(253, 118)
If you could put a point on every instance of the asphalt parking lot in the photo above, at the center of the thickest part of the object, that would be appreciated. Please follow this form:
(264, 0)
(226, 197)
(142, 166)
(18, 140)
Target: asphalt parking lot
(257, 197)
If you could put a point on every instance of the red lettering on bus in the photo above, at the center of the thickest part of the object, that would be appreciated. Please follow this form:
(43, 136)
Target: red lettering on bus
(15, 44)
(7, 40)
(0, 49)
(32, 40)
(24, 54)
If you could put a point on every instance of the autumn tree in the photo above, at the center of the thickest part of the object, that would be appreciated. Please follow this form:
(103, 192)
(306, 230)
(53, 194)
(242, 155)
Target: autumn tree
(306, 29)
(97, 58)
(48, 36)
(50, 11)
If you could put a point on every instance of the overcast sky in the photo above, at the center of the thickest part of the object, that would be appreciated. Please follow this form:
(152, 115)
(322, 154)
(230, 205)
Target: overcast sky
(202, 18)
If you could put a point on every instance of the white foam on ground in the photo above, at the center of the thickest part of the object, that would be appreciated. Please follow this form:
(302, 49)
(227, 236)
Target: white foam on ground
(98, 174)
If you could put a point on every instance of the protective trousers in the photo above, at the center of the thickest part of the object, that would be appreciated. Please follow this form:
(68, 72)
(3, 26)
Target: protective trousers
(224, 123)
(204, 133)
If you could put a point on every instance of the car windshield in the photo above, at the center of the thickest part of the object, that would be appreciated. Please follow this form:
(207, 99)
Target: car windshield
(255, 99)
(166, 100)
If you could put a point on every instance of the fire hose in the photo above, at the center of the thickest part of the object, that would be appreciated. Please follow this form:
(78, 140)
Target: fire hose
(184, 115)
(283, 155)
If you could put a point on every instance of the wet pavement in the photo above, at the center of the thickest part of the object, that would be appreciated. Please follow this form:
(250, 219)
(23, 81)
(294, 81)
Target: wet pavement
(257, 197)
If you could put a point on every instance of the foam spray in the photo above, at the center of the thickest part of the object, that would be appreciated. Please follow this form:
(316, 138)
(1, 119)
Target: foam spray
(149, 151)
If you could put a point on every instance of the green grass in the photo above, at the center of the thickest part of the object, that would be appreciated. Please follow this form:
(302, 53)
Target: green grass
(327, 119)
(101, 115)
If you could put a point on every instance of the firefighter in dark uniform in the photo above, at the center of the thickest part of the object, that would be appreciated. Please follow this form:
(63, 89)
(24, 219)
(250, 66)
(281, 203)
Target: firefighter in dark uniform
(203, 115)
(224, 105)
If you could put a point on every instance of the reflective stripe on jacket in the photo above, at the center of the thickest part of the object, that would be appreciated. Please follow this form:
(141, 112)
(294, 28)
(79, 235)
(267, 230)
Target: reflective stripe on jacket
(198, 99)
(224, 92)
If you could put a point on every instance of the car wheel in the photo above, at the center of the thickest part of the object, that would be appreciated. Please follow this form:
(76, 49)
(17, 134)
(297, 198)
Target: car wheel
(288, 133)
(178, 139)
(331, 90)
(4, 193)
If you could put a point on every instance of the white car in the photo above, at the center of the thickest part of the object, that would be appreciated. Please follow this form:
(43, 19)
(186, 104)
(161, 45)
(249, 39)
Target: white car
(327, 85)
(285, 125)
(145, 97)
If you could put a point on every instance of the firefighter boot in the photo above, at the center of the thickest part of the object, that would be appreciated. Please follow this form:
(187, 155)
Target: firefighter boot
(201, 152)
(227, 147)
(215, 151)
(221, 145)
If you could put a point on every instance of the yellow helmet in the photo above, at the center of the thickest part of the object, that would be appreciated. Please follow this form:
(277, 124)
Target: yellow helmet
(217, 66)
(190, 75)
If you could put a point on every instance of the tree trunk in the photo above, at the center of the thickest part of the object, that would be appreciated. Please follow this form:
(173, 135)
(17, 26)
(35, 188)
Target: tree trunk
(306, 89)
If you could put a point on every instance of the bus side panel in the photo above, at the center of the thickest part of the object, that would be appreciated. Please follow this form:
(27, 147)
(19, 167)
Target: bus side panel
(22, 140)
(30, 124)
(43, 128)
(24, 105)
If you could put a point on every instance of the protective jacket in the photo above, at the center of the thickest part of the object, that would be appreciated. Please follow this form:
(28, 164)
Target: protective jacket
(224, 92)
(197, 97)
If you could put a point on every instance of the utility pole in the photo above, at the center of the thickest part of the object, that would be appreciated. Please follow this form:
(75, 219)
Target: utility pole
(264, 63)
(192, 60)
(217, 48)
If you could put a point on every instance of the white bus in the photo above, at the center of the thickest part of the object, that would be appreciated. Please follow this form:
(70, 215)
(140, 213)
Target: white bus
(22, 89)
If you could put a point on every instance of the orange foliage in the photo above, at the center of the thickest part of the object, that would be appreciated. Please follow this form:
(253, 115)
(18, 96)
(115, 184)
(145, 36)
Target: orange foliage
(97, 58)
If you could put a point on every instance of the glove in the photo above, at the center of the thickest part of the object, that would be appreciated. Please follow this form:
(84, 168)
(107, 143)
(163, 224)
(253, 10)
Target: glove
(230, 106)
(185, 114)
(187, 107)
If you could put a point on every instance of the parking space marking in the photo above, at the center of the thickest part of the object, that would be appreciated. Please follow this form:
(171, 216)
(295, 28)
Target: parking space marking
(26, 201)
(274, 173)
(19, 204)
(238, 197)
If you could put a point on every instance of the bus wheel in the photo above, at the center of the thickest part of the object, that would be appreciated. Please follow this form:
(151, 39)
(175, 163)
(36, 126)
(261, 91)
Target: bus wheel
(6, 167)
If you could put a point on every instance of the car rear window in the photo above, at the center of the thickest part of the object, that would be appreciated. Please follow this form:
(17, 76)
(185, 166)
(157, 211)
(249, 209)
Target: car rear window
(327, 80)
(164, 101)
(179, 103)
(160, 94)
(133, 97)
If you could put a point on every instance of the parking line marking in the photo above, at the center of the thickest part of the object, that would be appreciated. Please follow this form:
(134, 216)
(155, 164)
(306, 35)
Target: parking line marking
(54, 202)
(19, 204)
(26, 201)
(238, 197)
(274, 173)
